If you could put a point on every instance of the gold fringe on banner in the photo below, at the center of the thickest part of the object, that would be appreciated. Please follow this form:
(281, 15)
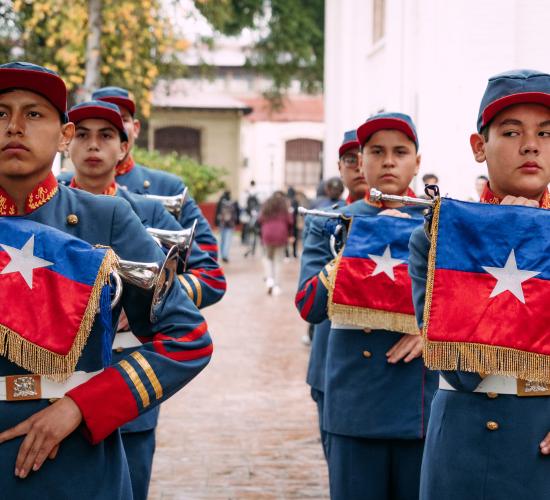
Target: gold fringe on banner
(373, 318)
(475, 357)
(489, 359)
(41, 361)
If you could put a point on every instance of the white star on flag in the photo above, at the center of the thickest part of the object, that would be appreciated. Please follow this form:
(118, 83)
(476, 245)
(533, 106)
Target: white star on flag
(509, 278)
(23, 261)
(385, 263)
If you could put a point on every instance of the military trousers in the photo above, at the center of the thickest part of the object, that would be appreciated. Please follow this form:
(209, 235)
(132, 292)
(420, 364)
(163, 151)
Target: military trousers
(139, 448)
(374, 469)
(319, 398)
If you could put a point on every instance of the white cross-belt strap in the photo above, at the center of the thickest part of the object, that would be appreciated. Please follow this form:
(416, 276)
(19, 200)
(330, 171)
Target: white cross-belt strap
(25, 387)
(491, 383)
(340, 326)
(125, 340)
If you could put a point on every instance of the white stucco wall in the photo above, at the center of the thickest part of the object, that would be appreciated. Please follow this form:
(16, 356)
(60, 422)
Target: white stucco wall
(263, 145)
(433, 64)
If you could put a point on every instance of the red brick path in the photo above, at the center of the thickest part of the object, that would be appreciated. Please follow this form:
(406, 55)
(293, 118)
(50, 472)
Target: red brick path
(246, 428)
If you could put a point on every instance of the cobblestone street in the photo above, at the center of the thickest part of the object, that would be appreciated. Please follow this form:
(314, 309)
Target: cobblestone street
(246, 428)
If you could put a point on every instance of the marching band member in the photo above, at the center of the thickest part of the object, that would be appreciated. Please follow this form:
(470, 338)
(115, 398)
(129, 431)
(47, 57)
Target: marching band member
(100, 142)
(352, 176)
(142, 180)
(79, 431)
(377, 390)
(484, 440)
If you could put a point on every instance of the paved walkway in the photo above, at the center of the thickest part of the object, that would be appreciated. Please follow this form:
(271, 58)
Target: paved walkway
(246, 428)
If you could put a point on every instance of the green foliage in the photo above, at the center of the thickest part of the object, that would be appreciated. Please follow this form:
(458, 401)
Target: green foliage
(202, 180)
(138, 42)
(291, 45)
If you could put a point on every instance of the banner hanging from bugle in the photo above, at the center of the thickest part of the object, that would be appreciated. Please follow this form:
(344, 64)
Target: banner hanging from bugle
(370, 285)
(488, 290)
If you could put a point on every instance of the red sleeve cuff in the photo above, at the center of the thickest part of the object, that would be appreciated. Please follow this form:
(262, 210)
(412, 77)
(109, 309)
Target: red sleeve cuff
(106, 402)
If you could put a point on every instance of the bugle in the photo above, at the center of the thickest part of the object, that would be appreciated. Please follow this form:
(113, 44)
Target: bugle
(430, 190)
(150, 276)
(173, 204)
(376, 195)
(182, 239)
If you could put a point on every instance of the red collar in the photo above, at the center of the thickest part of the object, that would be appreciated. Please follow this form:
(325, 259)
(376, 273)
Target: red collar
(125, 165)
(110, 190)
(41, 194)
(381, 204)
(487, 196)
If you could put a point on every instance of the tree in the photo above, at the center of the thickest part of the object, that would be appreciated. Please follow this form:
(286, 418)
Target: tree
(290, 47)
(93, 49)
(137, 42)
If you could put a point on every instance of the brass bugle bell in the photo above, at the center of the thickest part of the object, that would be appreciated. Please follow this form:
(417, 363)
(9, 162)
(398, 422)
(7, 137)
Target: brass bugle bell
(173, 204)
(376, 195)
(182, 239)
(151, 276)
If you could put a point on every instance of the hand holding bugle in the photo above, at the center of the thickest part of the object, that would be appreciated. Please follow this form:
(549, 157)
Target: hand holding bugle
(376, 195)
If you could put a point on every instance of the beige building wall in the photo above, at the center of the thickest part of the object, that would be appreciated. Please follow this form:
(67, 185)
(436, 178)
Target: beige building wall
(220, 137)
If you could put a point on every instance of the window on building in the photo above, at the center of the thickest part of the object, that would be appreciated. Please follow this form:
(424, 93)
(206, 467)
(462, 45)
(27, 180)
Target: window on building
(378, 20)
(183, 140)
(303, 169)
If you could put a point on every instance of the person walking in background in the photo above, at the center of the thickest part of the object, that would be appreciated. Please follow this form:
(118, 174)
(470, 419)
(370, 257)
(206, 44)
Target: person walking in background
(227, 217)
(291, 194)
(276, 225)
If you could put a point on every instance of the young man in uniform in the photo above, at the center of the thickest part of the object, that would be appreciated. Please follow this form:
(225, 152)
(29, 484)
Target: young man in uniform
(354, 180)
(79, 431)
(377, 391)
(142, 180)
(100, 142)
(487, 442)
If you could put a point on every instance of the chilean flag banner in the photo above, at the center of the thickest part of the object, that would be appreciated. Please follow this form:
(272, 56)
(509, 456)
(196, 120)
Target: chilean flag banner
(488, 291)
(371, 287)
(50, 289)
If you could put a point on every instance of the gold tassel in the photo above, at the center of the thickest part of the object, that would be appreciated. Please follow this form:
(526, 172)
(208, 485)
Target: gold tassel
(41, 361)
(492, 360)
(373, 318)
(431, 267)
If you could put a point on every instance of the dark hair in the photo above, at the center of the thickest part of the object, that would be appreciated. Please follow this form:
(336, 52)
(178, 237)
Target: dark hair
(483, 178)
(274, 206)
(425, 178)
(485, 131)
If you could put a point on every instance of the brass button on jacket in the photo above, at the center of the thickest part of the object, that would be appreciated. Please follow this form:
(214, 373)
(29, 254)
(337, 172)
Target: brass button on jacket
(492, 426)
(119, 349)
(72, 219)
(146, 184)
(492, 395)
(367, 354)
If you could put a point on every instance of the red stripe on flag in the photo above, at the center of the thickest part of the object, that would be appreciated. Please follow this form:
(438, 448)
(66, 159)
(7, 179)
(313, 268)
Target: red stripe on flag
(355, 286)
(462, 311)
